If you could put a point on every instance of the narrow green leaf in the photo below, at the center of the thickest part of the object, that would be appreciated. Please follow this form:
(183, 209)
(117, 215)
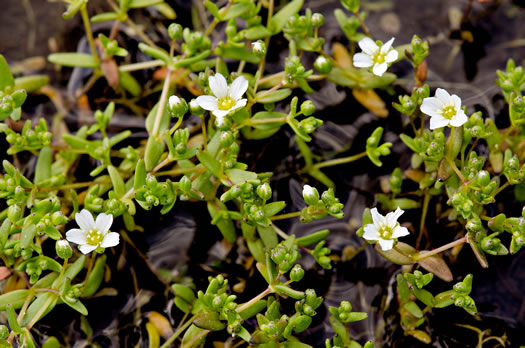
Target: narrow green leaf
(31, 83)
(73, 8)
(104, 17)
(312, 238)
(224, 224)
(264, 97)
(143, 3)
(28, 233)
(268, 236)
(209, 321)
(117, 181)
(413, 309)
(238, 176)
(129, 83)
(73, 59)
(6, 78)
(280, 19)
(43, 165)
(153, 152)
(45, 301)
(210, 163)
(155, 53)
(285, 290)
(95, 277)
(238, 53)
(16, 298)
(140, 175)
(11, 319)
(73, 269)
(4, 232)
(273, 208)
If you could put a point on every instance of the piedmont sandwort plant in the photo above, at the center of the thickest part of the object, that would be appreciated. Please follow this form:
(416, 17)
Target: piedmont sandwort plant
(77, 199)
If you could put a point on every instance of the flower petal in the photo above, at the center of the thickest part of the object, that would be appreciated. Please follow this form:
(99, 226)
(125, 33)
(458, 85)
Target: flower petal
(104, 222)
(368, 46)
(432, 106)
(386, 244)
(378, 219)
(220, 113)
(459, 119)
(362, 60)
(87, 248)
(443, 96)
(391, 218)
(438, 122)
(238, 87)
(379, 69)
(239, 104)
(110, 240)
(207, 102)
(387, 45)
(371, 232)
(456, 100)
(76, 235)
(392, 56)
(400, 231)
(85, 220)
(218, 85)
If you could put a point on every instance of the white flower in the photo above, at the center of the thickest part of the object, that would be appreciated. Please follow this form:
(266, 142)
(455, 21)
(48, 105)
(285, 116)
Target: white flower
(444, 110)
(373, 55)
(225, 98)
(308, 190)
(91, 234)
(174, 101)
(385, 229)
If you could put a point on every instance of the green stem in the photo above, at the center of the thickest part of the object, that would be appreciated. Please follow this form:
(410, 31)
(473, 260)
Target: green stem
(162, 104)
(42, 310)
(423, 217)
(422, 256)
(141, 65)
(61, 273)
(89, 34)
(504, 186)
(179, 331)
(338, 161)
(254, 300)
(286, 216)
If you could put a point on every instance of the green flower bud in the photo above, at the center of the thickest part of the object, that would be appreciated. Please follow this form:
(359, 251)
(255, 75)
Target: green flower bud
(177, 107)
(63, 249)
(483, 178)
(175, 31)
(310, 124)
(185, 184)
(323, 65)
(307, 108)
(259, 48)
(226, 139)
(396, 180)
(58, 218)
(310, 195)
(346, 306)
(195, 109)
(317, 20)
(297, 273)
(19, 97)
(264, 191)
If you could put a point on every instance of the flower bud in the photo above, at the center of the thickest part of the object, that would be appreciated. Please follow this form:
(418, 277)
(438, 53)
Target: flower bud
(175, 31)
(297, 273)
(63, 249)
(483, 178)
(317, 20)
(195, 109)
(4, 332)
(323, 65)
(307, 108)
(310, 195)
(226, 139)
(19, 97)
(185, 184)
(58, 218)
(264, 191)
(259, 48)
(310, 124)
(177, 106)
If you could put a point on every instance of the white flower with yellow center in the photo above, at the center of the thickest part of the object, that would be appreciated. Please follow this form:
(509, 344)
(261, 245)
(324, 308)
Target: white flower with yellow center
(225, 98)
(378, 57)
(444, 110)
(385, 229)
(91, 234)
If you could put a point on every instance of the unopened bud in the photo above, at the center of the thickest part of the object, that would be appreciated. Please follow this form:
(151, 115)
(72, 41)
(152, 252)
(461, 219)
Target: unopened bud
(63, 249)
(177, 106)
(310, 195)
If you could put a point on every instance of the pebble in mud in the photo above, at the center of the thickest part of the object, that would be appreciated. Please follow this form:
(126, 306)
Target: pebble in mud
(390, 23)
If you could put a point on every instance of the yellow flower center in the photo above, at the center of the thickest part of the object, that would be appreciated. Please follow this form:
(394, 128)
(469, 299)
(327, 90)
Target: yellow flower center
(385, 232)
(379, 57)
(94, 237)
(449, 111)
(225, 103)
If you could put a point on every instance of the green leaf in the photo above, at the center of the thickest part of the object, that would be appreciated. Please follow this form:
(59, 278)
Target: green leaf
(275, 96)
(6, 78)
(16, 298)
(238, 53)
(257, 32)
(286, 291)
(73, 59)
(252, 310)
(280, 19)
(236, 10)
(31, 83)
(312, 238)
(209, 321)
(395, 256)
(129, 83)
(28, 233)
(155, 53)
(40, 307)
(340, 329)
(116, 180)
(356, 316)
(413, 309)
(73, 269)
(4, 232)
(104, 17)
(268, 236)
(166, 10)
(140, 175)
(224, 224)
(153, 152)
(143, 3)
(273, 208)
(76, 305)
(437, 266)
(424, 296)
(43, 165)
(214, 10)
(210, 163)
(373, 81)
(95, 277)
(11, 319)
(73, 8)
(402, 288)
(238, 176)
(164, 121)
(339, 77)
